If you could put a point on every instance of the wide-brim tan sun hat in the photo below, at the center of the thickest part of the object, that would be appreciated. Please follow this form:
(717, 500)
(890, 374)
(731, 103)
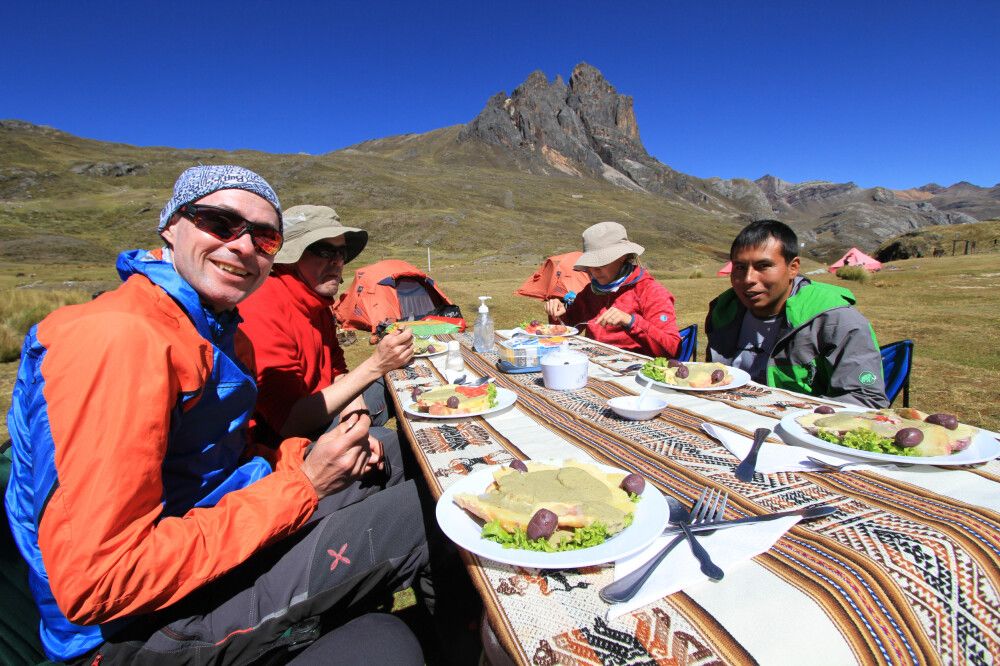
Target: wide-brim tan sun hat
(304, 225)
(605, 242)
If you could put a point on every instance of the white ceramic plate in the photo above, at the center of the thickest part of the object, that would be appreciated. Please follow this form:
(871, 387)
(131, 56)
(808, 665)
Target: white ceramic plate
(444, 349)
(984, 446)
(460, 526)
(505, 398)
(740, 377)
(572, 331)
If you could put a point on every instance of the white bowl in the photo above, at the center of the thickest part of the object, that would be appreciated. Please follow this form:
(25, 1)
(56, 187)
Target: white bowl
(627, 407)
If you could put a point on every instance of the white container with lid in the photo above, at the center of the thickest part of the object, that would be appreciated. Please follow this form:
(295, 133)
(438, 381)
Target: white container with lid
(564, 369)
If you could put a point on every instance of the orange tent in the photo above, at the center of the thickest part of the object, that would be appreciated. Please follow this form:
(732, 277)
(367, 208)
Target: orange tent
(856, 257)
(554, 278)
(727, 269)
(389, 289)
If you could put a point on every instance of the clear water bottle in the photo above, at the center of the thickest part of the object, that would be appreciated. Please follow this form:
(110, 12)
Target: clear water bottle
(482, 338)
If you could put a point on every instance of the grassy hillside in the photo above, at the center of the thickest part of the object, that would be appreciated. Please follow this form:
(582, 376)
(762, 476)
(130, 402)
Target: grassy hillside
(410, 192)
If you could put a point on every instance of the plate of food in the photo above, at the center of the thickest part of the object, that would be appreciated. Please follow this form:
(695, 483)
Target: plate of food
(452, 401)
(671, 373)
(555, 514)
(902, 435)
(543, 330)
(427, 347)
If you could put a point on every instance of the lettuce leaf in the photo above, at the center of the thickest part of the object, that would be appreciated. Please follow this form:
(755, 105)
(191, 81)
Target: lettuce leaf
(581, 537)
(656, 369)
(864, 439)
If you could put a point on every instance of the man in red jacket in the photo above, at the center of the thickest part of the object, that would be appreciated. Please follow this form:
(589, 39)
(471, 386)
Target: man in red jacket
(303, 381)
(623, 306)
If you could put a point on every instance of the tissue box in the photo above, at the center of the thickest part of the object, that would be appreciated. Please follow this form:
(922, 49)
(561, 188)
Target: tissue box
(527, 352)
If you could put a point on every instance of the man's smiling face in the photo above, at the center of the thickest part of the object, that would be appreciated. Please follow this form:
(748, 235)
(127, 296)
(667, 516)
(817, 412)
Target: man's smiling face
(762, 278)
(223, 273)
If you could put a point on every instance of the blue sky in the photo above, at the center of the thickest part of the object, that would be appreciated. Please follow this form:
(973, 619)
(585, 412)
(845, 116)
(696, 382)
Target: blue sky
(897, 94)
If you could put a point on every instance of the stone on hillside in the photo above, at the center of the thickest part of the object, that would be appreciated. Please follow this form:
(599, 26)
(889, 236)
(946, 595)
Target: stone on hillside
(105, 169)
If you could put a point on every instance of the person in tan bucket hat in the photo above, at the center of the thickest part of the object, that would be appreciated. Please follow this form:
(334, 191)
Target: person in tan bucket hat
(305, 388)
(302, 376)
(624, 305)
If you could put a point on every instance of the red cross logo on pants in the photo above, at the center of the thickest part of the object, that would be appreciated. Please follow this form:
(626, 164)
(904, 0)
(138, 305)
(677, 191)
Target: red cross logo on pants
(338, 557)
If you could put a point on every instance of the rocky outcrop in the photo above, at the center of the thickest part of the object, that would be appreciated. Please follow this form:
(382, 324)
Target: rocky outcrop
(583, 128)
(746, 195)
(107, 169)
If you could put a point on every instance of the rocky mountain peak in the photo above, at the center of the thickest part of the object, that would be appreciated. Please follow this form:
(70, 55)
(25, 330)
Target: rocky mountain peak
(773, 186)
(581, 127)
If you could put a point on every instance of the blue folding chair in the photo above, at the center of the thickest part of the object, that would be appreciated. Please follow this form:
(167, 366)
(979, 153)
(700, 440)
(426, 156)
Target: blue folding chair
(688, 348)
(897, 357)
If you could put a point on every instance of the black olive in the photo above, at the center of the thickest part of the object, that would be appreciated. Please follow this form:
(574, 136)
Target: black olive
(674, 363)
(518, 465)
(908, 437)
(717, 376)
(824, 409)
(682, 371)
(948, 421)
(633, 483)
(542, 524)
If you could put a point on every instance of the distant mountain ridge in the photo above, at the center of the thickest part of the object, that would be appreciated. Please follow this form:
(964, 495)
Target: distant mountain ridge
(586, 127)
(535, 167)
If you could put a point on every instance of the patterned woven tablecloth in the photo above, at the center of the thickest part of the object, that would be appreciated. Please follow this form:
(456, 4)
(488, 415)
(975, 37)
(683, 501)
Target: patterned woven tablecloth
(906, 571)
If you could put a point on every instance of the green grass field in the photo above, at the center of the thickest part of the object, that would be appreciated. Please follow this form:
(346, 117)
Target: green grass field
(949, 306)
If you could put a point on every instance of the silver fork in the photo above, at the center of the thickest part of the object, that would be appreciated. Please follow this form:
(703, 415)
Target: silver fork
(710, 507)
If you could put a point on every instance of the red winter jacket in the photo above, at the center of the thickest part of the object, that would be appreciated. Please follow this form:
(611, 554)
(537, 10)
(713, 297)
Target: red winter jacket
(654, 330)
(294, 337)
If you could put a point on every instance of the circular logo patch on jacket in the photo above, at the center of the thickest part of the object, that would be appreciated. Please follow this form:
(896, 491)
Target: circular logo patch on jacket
(867, 377)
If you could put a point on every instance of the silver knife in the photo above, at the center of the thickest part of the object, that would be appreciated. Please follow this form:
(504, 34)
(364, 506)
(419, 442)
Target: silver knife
(744, 471)
(807, 513)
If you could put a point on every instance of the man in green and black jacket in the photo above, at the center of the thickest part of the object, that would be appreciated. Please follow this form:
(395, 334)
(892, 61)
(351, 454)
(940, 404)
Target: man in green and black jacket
(787, 331)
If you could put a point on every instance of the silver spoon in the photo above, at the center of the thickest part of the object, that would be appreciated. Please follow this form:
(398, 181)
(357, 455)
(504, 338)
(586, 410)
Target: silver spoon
(643, 394)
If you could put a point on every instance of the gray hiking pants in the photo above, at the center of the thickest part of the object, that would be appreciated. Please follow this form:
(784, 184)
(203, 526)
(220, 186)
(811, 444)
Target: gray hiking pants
(283, 598)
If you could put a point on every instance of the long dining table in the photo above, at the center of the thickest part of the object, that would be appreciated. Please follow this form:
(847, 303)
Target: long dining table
(905, 572)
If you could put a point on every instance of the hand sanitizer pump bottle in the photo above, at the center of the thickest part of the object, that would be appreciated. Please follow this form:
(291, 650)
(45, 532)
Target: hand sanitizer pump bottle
(482, 339)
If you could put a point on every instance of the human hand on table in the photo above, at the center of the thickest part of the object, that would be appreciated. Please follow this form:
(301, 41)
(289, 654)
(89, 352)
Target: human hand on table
(613, 317)
(340, 456)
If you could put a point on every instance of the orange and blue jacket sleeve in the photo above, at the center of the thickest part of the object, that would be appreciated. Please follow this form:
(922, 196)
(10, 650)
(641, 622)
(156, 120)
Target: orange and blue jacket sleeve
(107, 548)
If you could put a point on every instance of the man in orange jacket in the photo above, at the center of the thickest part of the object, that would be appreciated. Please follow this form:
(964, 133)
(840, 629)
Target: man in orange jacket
(152, 531)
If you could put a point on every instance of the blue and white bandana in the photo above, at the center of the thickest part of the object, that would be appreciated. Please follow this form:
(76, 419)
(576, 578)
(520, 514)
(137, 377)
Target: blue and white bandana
(613, 286)
(202, 180)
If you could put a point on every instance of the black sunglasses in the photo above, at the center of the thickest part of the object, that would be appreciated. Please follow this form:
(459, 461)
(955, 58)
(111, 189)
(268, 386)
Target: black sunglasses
(327, 251)
(227, 225)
